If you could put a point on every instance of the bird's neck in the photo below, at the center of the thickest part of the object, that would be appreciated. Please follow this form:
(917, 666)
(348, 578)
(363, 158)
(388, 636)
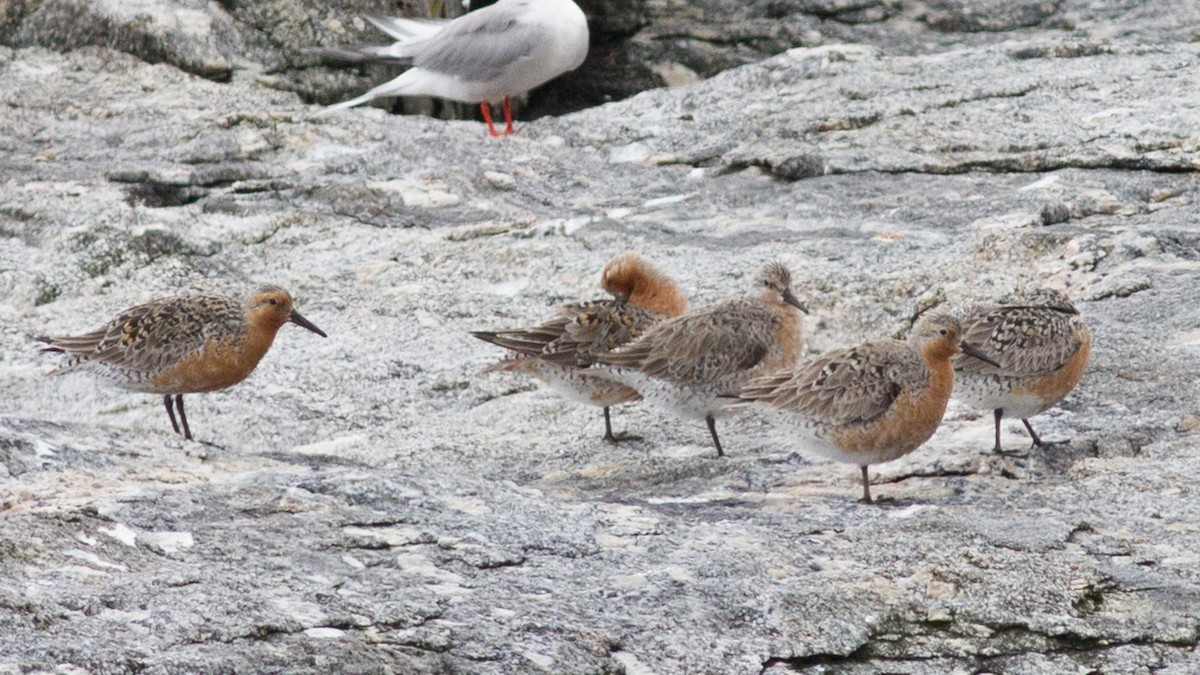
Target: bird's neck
(937, 359)
(259, 336)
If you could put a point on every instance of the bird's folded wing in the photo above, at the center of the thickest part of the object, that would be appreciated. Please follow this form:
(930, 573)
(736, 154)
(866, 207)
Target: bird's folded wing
(1025, 341)
(845, 386)
(479, 46)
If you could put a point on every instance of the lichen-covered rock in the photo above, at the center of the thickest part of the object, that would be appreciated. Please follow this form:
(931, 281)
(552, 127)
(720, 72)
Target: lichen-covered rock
(636, 44)
(374, 502)
(195, 35)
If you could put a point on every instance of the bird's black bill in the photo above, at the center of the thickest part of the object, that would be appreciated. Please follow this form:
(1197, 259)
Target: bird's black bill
(305, 323)
(971, 350)
(790, 298)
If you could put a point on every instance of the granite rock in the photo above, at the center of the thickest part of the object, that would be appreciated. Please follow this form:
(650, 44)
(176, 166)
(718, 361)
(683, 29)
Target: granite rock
(373, 502)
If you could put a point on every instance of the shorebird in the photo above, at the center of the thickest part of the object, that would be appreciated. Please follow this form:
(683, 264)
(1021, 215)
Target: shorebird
(690, 364)
(181, 345)
(1041, 348)
(485, 56)
(562, 350)
(871, 403)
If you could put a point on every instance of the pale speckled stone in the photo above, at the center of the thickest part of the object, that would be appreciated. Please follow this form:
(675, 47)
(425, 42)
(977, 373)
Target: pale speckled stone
(439, 519)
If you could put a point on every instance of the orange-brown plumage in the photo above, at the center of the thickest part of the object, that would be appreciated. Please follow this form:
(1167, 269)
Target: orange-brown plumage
(871, 403)
(1054, 387)
(1042, 347)
(690, 364)
(562, 350)
(182, 345)
(630, 277)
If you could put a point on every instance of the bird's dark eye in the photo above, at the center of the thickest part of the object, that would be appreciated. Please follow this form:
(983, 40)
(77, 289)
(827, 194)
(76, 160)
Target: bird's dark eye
(944, 331)
(273, 301)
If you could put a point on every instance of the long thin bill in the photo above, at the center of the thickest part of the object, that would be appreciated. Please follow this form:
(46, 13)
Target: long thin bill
(790, 298)
(972, 350)
(299, 320)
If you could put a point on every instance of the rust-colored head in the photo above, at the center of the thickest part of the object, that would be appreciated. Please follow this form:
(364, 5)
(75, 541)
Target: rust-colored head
(775, 286)
(632, 278)
(939, 336)
(270, 307)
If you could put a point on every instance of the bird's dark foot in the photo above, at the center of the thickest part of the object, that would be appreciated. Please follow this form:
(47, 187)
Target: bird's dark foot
(885, 501)
(618, 438)
(1015, 454)
(200, 449)
(1047, 445)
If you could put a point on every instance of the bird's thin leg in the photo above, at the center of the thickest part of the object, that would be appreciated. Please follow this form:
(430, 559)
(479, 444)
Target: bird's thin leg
(171, 412)
(999, 414)
(712, 429)
(608, 432)
(187, 433)
(1037, 442)
(866, 498)
(487, 117)
(508, 125)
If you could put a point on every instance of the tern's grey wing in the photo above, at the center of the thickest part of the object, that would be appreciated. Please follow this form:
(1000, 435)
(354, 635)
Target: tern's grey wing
(409, 33)
(1024, 340)
(356, 55)
(480, 45)
(845, 386)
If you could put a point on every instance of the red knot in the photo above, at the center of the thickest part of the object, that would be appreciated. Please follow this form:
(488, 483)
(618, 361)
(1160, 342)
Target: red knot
(1041, 346)
(485, 56)
(691, 364)
(562, 351)
(182, 345)
(871, 403)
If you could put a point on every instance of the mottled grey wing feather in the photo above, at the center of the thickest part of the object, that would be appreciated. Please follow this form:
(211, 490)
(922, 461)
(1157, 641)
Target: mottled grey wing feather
(527, 341)
(702, 347)
(1024, 340)
(579, 333)
(845, 386)
(600, 327)
(478, 46)
(150, 337)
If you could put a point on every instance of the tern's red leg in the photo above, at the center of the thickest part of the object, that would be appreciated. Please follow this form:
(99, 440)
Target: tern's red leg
(508, 125)
(487, 117)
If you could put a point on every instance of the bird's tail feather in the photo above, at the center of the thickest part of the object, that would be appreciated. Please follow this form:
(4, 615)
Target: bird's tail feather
(357, 55)
(396, 87)
(406, 29)
(345, 104)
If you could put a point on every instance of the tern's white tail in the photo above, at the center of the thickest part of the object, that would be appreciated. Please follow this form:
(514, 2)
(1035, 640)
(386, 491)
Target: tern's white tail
(345, 104)
(400, 86)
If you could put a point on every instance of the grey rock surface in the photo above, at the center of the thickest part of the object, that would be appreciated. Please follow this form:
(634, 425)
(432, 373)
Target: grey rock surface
(636, 44)
(374, 503)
